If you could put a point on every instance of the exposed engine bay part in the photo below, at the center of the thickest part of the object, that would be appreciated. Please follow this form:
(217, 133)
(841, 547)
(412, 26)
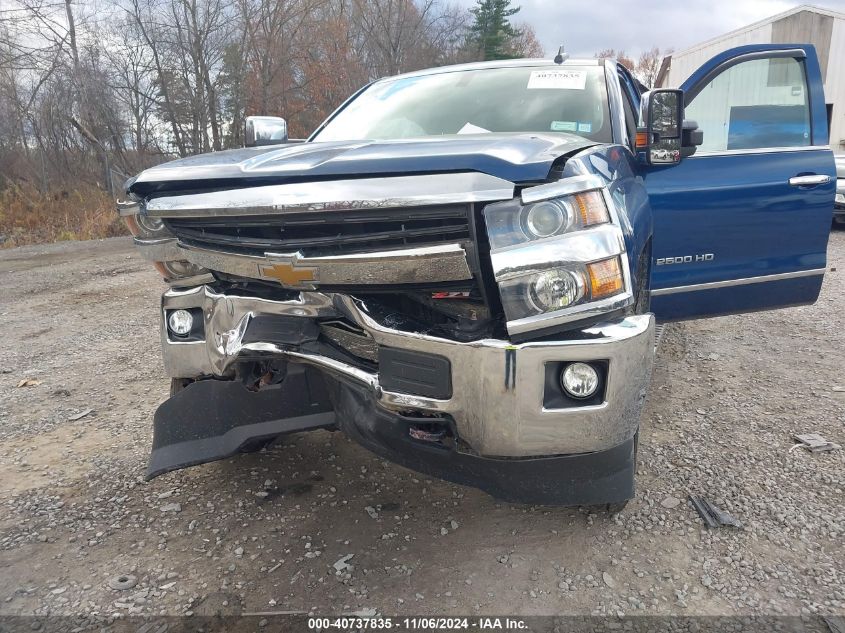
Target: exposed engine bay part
(493, 390)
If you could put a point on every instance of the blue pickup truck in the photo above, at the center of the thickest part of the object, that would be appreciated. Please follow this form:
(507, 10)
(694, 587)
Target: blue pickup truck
(461, 269)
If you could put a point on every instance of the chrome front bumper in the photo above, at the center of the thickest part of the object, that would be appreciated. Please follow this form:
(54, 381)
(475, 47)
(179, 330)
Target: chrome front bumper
(496, 415)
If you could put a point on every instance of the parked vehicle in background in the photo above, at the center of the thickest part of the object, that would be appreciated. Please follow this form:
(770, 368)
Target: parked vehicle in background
(462, 267)
(839, 204)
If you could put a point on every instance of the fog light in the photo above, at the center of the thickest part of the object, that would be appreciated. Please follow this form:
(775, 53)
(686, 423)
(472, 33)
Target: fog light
(555, 290)
(180, 322)
(579, 380)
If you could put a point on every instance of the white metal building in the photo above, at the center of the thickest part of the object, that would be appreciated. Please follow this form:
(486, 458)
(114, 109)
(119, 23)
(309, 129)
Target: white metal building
(823, 28)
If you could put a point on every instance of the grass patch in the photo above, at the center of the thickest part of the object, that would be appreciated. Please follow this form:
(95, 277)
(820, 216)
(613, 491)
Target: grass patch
(28, 216)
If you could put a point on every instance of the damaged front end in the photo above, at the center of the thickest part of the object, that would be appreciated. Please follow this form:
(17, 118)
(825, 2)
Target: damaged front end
(400, 311)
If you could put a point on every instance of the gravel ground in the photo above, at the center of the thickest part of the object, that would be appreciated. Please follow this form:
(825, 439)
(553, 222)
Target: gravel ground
(317, 524)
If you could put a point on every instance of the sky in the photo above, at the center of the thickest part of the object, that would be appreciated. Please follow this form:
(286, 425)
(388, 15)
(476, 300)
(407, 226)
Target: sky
(585, 27)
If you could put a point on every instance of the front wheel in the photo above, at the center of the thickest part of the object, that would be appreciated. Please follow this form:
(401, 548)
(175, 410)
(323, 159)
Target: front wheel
(178, 384)
(643, 295)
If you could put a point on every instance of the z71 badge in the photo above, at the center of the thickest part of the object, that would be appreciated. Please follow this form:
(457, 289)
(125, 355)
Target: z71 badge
(685, 259)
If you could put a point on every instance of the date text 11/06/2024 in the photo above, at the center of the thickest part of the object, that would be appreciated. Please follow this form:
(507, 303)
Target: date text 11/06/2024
(416, 624)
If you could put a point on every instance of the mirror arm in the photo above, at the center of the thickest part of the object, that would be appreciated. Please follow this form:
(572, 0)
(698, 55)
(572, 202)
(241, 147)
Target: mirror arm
(691, 138)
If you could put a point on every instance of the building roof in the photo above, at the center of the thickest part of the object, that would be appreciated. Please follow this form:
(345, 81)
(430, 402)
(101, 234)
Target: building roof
(750, 27)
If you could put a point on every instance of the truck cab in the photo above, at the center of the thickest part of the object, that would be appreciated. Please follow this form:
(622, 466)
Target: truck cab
(462, 267)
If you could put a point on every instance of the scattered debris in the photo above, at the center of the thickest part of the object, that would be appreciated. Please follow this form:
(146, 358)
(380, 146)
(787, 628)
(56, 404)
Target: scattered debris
(814, 443)
(80, 415)
(123, 582)
(29, 382)
(670, 502)
(341, 563)
(367, 612)
(713, 516)
(836, 623)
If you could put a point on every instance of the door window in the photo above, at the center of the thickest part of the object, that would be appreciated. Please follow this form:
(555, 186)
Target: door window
(755, 104)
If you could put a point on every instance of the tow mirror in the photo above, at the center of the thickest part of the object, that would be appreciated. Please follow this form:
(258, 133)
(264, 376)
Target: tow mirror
(663, 115)
(265, 130)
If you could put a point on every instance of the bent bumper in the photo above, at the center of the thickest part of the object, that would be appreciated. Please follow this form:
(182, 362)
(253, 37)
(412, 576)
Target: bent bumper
(604, 476)
(497, 396)
(214, 419)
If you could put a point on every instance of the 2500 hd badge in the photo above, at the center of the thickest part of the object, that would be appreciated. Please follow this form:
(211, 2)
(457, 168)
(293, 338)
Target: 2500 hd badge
(457, 268)
(685, 259)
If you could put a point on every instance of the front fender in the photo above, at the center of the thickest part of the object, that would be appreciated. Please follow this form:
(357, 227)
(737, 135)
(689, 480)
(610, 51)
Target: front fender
(617, 166)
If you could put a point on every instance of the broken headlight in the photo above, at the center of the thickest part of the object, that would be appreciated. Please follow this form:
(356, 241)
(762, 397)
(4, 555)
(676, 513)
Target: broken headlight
(558, 254)
(508, 226)
(157, 244)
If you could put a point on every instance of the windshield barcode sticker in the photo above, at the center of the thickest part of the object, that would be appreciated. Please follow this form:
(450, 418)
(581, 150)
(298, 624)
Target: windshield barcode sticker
(557, 80)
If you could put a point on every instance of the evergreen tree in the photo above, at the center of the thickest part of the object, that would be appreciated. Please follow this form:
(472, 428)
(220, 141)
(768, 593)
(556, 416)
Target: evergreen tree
(491, 33)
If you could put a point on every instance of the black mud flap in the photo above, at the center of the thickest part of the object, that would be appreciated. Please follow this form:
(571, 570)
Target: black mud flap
(213, 419)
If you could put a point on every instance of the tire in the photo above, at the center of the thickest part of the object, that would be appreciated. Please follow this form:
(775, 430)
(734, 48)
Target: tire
(178, 384)
(254, 446)
(643, 297)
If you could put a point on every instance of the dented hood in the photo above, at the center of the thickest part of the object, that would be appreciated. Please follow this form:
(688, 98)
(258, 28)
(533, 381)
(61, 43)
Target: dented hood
(518, 158)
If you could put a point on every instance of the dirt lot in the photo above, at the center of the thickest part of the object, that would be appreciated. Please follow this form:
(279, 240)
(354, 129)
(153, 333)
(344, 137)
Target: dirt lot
(262, 532)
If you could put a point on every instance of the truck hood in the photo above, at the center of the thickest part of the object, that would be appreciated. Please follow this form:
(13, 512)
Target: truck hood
(518, 158)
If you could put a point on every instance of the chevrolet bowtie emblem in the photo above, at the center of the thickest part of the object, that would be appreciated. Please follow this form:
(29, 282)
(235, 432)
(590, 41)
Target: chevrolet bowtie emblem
(289, 274)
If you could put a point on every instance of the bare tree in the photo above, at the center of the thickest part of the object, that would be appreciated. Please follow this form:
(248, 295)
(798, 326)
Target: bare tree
(648, 65)
(396, 32)
(620, 56)
(526, 43)
(84, 89)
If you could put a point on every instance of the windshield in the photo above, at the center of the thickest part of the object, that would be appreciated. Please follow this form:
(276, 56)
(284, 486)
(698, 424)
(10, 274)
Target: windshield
(522, 99)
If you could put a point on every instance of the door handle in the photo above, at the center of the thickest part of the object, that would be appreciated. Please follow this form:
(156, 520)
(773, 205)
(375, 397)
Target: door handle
(810, 180)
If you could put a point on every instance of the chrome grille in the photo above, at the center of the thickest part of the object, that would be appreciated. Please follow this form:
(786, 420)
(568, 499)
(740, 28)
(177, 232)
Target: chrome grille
(328, 233)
